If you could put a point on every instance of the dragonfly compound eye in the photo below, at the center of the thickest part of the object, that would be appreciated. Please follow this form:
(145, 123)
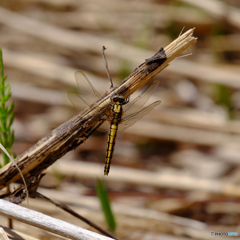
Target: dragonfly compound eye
(113, 98)
(121, 99)
(117, 98)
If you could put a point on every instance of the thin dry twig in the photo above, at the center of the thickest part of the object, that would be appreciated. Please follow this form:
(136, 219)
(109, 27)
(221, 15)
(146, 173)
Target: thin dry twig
(65, 208)
(13, 234)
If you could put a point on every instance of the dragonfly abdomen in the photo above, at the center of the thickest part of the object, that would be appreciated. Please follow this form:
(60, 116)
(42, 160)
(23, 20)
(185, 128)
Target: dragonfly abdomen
(117, 115)
(110, 146)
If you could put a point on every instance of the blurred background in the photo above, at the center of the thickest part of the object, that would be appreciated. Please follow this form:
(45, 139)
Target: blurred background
(175, 174)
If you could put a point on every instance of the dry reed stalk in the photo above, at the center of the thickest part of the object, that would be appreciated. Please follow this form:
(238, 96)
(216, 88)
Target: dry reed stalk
(72, 133)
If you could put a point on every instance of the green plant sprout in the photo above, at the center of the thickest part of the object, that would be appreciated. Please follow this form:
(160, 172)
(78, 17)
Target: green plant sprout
(6, 114)
(106, 207)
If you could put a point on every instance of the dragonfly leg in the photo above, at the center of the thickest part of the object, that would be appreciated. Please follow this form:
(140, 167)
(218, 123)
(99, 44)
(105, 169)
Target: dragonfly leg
(106, 64)
(127, 100)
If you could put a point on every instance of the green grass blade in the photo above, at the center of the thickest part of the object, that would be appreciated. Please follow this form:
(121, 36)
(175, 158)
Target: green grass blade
(106, 207)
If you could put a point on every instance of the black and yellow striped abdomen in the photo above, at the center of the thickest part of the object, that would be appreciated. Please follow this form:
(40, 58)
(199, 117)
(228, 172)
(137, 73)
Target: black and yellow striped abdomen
(117, 115)
(110, 146)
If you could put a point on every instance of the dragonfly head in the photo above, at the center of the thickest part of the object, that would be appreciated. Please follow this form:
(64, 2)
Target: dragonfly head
(118, 99)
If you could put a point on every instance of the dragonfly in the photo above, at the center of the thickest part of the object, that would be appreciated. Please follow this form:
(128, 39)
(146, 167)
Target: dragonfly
(122, 113)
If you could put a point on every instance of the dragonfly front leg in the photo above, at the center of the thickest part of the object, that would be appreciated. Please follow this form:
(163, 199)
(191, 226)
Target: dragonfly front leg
(106, 65)
(127, 100)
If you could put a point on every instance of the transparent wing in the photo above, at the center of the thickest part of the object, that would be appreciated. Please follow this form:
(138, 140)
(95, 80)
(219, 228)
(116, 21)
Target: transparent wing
(104, 127)
(87, 93)
(78, 101)
(86, 88)
(131, 119)
(138, 102)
